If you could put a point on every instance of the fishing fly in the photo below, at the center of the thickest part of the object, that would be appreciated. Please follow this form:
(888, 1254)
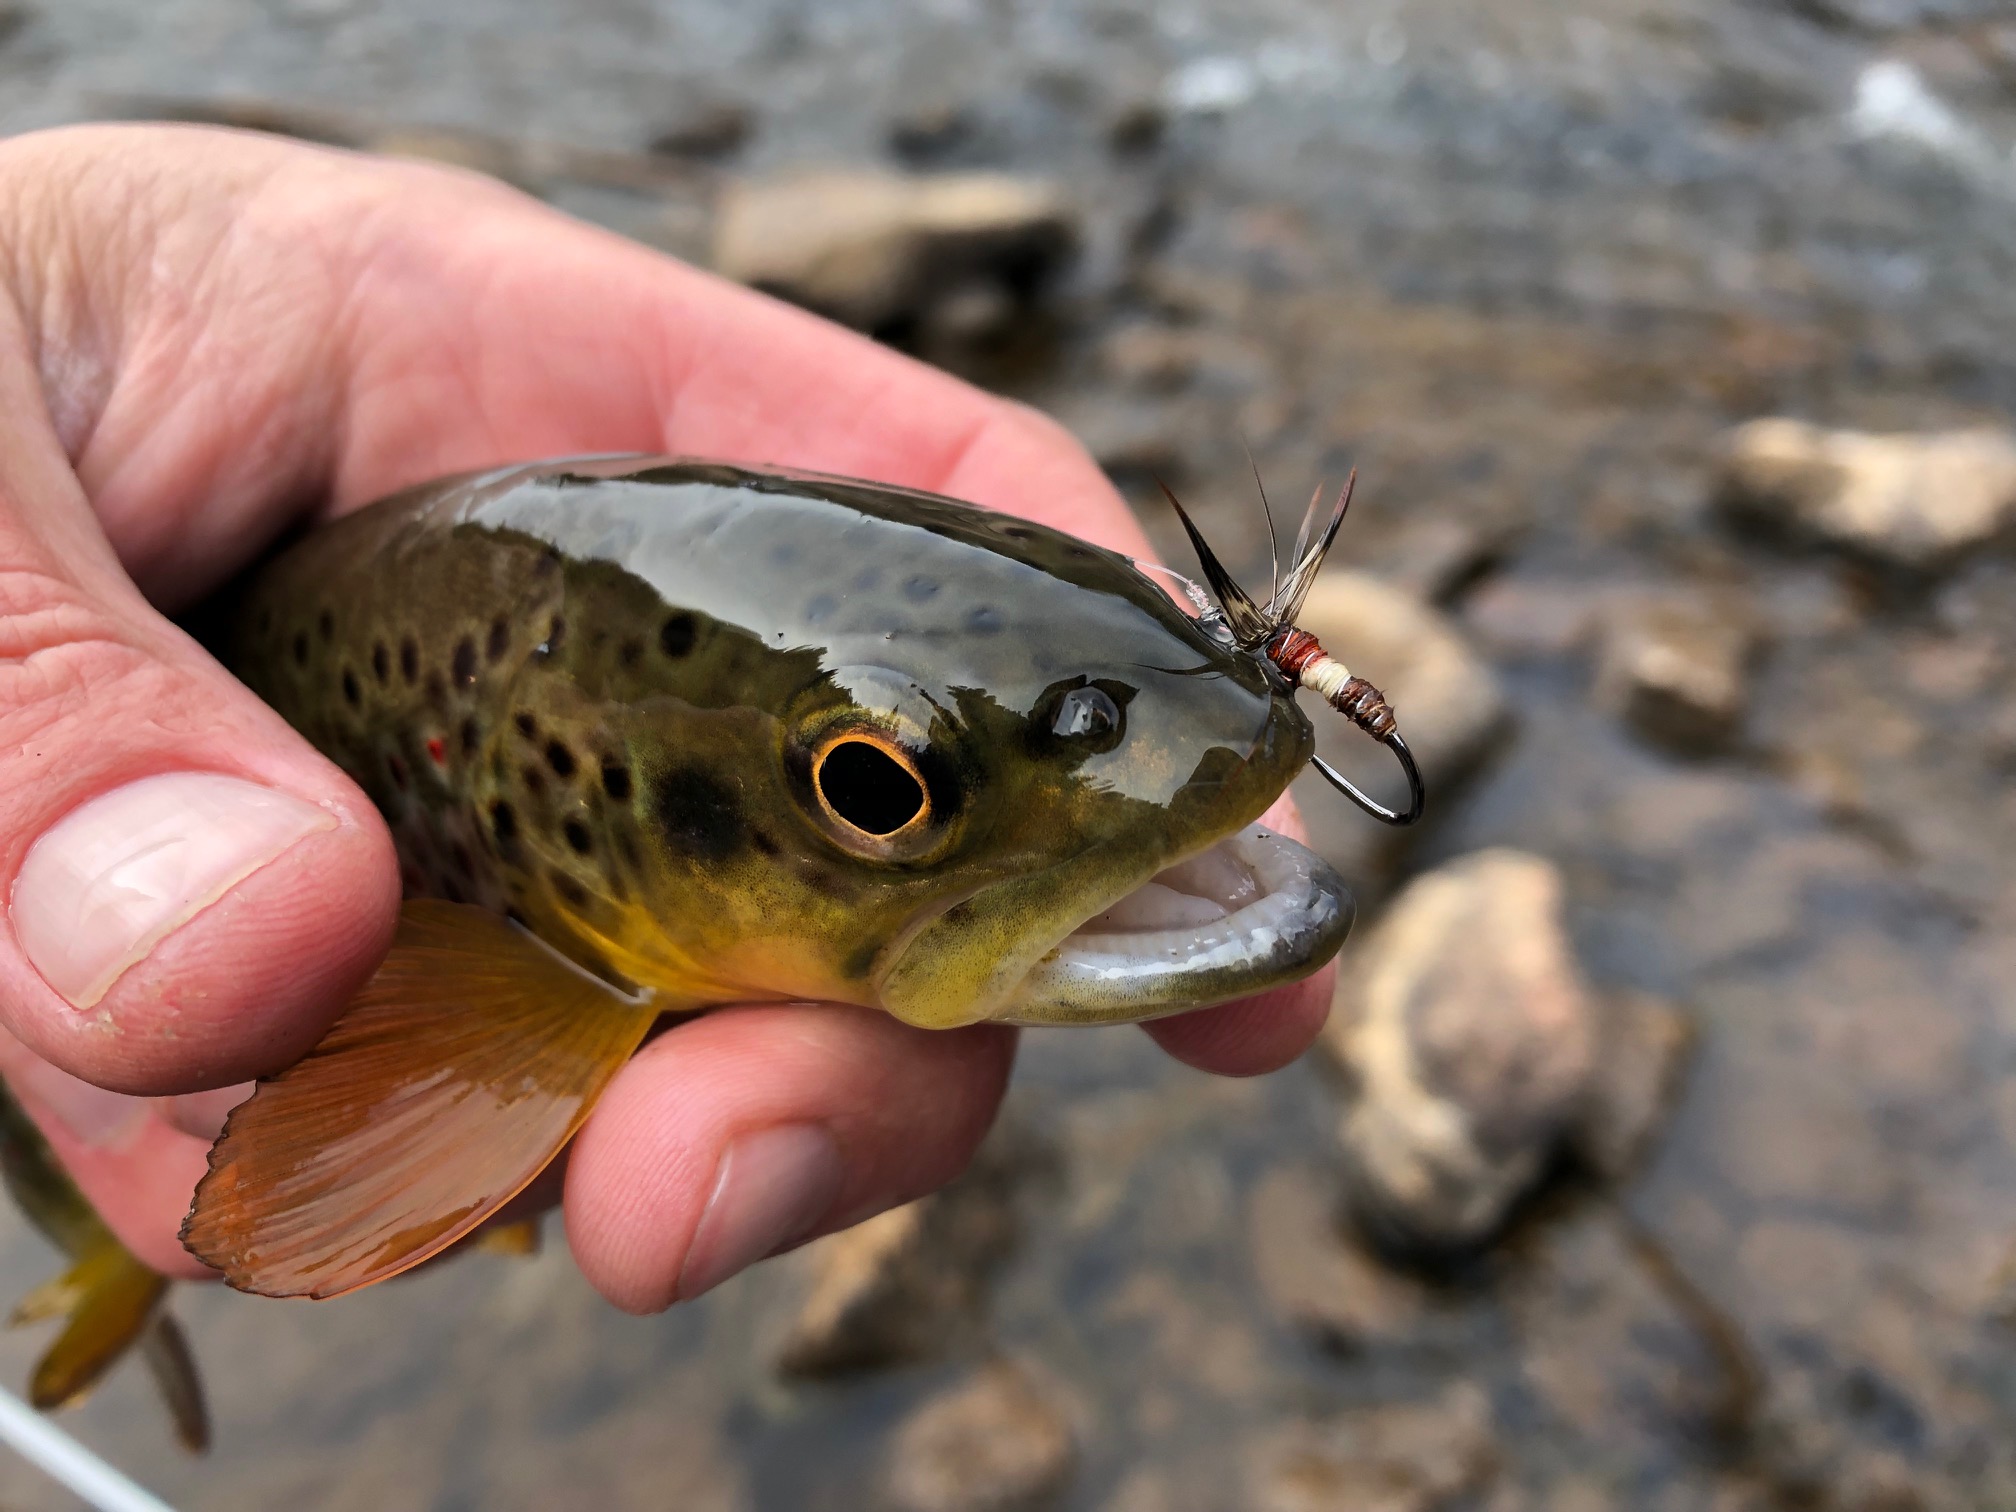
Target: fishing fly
(1268, 630)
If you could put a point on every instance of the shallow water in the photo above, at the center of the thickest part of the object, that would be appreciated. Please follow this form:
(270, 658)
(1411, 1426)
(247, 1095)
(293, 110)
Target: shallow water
(1519, 267)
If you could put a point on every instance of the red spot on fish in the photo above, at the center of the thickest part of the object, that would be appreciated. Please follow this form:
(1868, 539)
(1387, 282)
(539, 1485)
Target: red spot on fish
(438, 749)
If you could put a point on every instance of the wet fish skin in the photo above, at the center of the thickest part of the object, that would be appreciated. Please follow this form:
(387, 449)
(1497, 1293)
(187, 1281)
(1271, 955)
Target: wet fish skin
(585, 693)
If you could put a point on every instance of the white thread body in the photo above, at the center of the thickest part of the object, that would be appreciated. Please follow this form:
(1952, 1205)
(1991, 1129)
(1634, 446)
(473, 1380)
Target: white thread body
(1326, 677)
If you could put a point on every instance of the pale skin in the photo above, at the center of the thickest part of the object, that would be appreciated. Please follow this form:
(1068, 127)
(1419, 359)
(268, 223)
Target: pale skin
(206, 337)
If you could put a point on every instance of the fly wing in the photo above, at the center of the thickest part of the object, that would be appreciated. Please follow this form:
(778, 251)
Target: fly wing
(1288, 598)
(1250, 624)
(461, 1069)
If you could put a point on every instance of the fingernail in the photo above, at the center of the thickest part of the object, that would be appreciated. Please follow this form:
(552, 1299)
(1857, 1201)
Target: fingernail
(769, 1189)
(119, 874)
(93, 1116)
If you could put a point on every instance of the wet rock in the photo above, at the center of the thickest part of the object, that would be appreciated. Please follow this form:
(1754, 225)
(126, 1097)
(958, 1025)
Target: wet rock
(1470, 1042)
(909, 1284)
(705, 127)
(1439, 556)
(882, 251)
(999, 1443)
(1316, 1275)
(1157, 358)
(1137, 127)
(14, 18)
(1402, 1458)
(1912, 501)
(1447, 700)
(1642, 1048)
(1676, 669)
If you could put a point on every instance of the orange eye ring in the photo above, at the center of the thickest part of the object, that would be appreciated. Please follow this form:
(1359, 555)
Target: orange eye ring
(869, 786)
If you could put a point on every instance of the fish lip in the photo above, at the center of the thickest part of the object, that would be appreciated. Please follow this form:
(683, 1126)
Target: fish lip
(1287, 933)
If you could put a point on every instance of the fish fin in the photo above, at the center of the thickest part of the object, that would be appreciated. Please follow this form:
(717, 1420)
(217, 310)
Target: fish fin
(519, 1240)
(55, 1298)
(108, 1297)
(172, 1363)
(457, 1073)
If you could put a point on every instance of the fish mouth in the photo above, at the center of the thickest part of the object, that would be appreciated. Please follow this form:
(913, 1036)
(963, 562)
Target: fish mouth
(1254, 911)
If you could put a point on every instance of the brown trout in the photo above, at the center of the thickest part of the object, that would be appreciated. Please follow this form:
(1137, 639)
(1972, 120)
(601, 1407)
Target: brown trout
(654, 735)
(108, 1299)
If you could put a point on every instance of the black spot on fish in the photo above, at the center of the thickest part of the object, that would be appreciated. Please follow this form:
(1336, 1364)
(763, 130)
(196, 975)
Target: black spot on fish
(381, 662)
(699, 816)
(676, 635)
(560, 759)
(534, 779)
(920, 588)
(325, 623)
(472, 735)
(765, 843)
(504, 825)
(630, 652)
(616, 781)
(577, 836)
(464, 665)
(984, 621)
(868, 579)
(556, 632)
(546, 563)
(575, 895)
(527, 725)
(500, 638)
(352, 694)
(301, 649)
(409, 660)
(862, 961)
(1018, 532)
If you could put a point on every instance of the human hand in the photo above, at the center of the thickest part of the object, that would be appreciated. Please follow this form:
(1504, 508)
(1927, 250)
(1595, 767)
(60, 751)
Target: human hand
(208, 336)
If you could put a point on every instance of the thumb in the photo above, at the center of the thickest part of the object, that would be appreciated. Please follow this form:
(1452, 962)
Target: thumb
(191, 892)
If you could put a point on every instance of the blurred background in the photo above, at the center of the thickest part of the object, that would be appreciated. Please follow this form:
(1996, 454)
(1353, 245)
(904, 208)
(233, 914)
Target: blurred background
(1662, 1149)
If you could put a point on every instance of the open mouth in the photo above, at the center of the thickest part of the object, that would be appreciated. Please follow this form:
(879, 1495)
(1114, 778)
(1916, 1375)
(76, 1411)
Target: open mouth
(1252, 912)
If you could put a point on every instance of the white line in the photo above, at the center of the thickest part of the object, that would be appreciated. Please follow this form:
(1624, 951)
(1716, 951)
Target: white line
(48, 1447)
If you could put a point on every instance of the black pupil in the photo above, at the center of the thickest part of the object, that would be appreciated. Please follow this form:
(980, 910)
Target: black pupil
(869, 788)
(1086, 711)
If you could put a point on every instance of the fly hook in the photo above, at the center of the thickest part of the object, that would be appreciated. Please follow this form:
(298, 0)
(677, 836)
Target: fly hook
(1305, 664)
(1268, 629)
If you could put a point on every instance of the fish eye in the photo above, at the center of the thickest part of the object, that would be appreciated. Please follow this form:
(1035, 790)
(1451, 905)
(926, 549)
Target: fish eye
(870, 784)
(1087, 714)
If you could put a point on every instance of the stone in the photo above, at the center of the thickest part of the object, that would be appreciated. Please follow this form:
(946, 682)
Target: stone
(1409, 1457)
(705, 127)
(1643, 1046)
(1916, 502)
(14, 18)
(882, 250)
(998, 1443)
(1446, 698)
(1675, 668)
(1317, 1276)
(1469, 1040)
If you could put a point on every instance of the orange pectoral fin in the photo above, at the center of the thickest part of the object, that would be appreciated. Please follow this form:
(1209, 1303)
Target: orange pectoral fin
(461, 1069)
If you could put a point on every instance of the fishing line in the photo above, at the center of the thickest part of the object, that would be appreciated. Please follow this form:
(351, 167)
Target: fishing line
(67, 1462)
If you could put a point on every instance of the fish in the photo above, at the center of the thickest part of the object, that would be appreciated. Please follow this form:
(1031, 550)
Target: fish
(110, 1301)
(657, 734)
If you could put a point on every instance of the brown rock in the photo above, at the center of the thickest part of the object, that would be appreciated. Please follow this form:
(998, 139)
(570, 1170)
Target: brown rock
(1470, 1040)
(1405, 1458)
(999, 1443)
(1675, 668)
(1913, 501)
(704, 127)
(1317, 1276)
(1642, 1047)
(878, 249)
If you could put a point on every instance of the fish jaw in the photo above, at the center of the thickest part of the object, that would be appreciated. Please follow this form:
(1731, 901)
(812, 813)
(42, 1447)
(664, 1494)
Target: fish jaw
(1254, 911)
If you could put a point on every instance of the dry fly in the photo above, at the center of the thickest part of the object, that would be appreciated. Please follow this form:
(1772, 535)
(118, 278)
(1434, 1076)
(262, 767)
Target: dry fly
(1269, 630)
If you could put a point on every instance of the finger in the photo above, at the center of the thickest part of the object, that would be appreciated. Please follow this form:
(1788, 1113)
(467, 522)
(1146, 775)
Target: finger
(134, 1168)
(752, 1130)
(191, 890)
